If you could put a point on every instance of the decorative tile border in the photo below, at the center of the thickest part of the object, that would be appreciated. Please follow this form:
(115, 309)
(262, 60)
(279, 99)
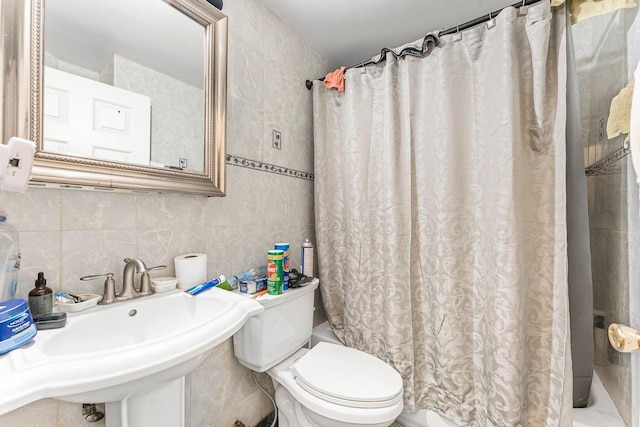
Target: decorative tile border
(267, 167)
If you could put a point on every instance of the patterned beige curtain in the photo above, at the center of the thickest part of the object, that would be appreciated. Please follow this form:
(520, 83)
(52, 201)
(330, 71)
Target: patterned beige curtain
(440, 220)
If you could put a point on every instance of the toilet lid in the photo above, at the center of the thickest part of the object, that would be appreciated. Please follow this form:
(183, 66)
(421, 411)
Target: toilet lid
(348, 377)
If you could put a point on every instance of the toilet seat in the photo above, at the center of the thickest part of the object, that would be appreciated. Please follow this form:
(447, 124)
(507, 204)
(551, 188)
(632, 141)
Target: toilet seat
(343, 410)
(348, 377)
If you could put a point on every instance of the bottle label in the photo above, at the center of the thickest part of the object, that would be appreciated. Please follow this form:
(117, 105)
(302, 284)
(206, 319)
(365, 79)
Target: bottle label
(272, 269)
(10, 260)
(16, 331)
(41, 304)
(307, 260)
(14, 325)
(274, 276)
(13, 263)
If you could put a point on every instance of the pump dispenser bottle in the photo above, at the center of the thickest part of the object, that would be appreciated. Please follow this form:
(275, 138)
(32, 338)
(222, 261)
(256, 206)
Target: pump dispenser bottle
(41, 298)
(9, 259)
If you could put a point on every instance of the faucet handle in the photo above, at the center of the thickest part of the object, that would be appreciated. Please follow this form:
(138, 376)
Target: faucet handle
(145, 280)
(109, 292)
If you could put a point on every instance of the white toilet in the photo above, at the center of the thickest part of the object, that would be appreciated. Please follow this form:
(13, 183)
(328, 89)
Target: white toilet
(329, 385)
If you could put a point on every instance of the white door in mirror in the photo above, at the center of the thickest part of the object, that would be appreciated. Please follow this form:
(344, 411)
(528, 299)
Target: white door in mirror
(16, 162)
(87, 118)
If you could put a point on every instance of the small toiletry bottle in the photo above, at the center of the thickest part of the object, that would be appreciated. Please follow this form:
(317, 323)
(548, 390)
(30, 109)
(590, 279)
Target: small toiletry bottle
(41, 298)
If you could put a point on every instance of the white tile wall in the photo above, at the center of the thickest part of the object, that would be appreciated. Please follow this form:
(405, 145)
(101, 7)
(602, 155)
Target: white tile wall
(632, 29)
(177, 112)
(68, 234)
(607, 48)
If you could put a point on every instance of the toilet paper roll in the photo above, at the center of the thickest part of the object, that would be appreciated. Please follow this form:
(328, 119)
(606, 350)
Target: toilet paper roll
(191, 269)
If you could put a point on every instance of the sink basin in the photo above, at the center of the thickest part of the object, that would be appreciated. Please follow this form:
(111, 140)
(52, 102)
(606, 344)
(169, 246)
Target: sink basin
(114, 328)
(111, 353)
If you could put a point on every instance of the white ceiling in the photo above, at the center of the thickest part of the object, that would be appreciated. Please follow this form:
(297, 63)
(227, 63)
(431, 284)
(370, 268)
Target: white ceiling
(348, 32)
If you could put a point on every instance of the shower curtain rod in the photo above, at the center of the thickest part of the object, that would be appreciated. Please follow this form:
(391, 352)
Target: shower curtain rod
(433, 40)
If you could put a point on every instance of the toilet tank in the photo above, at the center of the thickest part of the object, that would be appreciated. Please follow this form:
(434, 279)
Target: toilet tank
(284, 327)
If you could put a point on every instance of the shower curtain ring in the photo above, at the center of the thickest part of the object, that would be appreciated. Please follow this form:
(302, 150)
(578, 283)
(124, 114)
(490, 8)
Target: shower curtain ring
(522, 11)
(458, 35)
(492, 22)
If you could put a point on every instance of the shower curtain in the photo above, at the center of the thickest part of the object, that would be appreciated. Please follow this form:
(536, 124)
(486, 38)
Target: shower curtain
(440, 220)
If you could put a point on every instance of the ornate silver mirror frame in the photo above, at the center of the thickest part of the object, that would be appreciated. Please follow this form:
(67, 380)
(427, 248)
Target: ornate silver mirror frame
(22, 112)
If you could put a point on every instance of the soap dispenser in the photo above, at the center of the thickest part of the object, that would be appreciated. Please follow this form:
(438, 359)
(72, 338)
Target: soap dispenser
(41, 298)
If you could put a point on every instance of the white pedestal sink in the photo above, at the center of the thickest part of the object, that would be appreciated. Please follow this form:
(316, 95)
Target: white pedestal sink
(132, 355)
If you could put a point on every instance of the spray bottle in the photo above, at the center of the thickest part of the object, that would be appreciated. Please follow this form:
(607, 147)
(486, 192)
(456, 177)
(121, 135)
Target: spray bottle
(307, 258)
(9, 259)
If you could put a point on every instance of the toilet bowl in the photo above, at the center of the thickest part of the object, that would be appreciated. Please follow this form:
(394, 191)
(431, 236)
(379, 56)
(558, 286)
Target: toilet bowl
(313, 389)
(329, 385)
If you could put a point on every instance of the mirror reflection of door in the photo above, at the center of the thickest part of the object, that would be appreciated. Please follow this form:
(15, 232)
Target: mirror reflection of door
(124, 82)
(86, 118)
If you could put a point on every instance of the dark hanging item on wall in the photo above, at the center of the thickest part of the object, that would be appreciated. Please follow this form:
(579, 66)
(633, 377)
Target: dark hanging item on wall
(216, 3)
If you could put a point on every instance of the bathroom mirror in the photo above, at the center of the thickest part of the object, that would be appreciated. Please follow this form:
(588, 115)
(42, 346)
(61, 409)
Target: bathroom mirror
(128, 95)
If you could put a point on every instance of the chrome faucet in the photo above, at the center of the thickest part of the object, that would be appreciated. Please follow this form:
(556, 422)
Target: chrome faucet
(132, 267)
